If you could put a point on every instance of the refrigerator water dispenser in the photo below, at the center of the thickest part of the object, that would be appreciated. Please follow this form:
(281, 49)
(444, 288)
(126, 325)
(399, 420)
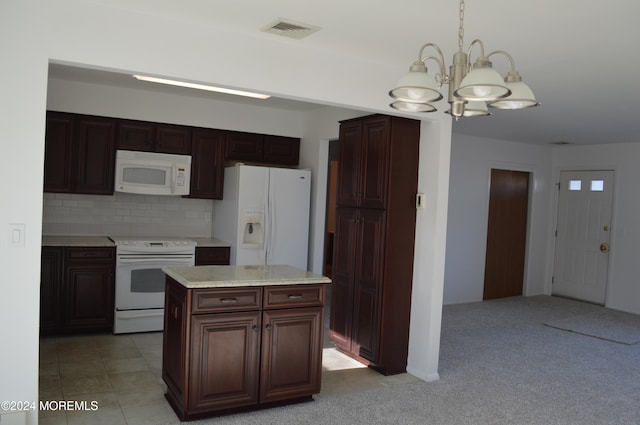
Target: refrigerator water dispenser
(253, 225)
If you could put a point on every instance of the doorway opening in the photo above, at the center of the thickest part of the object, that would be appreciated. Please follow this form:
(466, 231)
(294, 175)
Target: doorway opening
(332, 188)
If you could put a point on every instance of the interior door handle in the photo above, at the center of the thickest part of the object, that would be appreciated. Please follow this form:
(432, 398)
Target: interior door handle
(604, 247)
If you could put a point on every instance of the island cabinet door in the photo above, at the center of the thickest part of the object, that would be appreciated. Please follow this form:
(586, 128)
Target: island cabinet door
(291, 353)
(224, 360)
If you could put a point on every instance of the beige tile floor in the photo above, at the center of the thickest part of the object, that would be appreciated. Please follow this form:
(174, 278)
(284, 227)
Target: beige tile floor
(123, 374)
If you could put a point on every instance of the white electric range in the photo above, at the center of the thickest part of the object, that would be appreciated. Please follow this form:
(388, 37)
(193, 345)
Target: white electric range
(140, 282)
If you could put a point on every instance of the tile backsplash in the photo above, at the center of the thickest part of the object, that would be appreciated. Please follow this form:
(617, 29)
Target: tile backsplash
(126, 214)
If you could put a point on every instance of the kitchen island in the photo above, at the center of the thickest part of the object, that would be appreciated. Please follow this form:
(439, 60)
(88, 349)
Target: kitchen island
(241, 337)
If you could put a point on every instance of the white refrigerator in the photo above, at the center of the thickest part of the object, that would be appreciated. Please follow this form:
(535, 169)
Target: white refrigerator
(265, 215)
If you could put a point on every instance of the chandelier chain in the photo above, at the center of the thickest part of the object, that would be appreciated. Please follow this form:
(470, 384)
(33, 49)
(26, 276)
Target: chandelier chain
(461, 27)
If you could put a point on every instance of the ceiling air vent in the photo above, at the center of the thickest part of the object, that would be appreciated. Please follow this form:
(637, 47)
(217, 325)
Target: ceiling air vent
(289, 28)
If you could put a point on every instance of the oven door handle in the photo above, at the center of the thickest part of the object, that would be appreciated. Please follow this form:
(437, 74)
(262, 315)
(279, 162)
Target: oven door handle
(155, 260)
(136, 314)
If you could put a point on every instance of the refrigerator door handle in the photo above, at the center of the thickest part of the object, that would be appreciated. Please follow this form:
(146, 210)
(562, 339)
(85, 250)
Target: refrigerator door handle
(272, 226)
(267, 235)
(268, 243)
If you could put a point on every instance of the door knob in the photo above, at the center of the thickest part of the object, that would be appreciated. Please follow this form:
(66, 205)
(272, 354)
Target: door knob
(604, 247)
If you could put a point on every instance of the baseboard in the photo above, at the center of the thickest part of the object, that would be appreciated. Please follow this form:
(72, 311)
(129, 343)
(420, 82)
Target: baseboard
(428, 378)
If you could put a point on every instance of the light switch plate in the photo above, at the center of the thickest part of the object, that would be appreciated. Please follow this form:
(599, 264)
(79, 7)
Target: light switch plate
(420, 200)
(15, 235)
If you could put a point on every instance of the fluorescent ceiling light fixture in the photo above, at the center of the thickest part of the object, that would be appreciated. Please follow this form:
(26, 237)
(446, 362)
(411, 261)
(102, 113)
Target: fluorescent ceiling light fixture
(201, 87)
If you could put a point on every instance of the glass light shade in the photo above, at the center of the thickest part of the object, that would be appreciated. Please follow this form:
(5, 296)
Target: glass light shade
(483, 84)
(416, 86)
(521, 97)
(473, 108)
(401, 105)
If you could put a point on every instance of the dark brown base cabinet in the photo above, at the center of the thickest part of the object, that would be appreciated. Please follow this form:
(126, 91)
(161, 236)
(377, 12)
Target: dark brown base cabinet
(76, 290)
(262, 348)
(374, 239)
(213, 255)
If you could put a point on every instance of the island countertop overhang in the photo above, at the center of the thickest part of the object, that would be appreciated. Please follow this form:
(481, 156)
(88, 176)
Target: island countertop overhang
(239, 276)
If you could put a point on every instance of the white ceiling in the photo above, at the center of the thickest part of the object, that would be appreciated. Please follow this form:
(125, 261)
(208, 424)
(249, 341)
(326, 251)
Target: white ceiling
(580, 58)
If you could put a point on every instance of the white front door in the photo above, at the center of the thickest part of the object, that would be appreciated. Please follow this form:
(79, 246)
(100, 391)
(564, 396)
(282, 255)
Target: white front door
(583, 234)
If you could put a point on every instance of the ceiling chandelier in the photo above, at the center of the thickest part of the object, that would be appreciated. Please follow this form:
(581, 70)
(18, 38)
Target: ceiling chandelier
(471, 89)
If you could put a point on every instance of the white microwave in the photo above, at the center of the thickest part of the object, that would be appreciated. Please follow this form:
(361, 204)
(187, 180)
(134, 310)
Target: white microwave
(150, 173)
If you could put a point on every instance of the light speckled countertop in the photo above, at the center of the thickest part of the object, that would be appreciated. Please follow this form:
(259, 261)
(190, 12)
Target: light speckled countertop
(210, 242)
(230, 276)
(76, 241)
(64, 240)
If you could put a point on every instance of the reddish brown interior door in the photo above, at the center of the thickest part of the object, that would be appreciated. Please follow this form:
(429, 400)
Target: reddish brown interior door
(506, 234)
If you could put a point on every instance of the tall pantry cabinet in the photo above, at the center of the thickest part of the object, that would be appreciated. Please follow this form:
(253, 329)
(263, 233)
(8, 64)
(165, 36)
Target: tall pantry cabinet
(374, 240)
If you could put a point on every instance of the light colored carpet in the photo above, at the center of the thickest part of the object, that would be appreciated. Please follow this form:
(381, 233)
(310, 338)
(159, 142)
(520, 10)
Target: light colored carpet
(611, 325)
(498, 365)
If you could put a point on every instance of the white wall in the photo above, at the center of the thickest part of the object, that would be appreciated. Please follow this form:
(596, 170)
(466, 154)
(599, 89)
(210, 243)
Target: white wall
(22, 107)
(198, 111)
(32, 32)
(472, 159)
(429, 257)
(623, 286)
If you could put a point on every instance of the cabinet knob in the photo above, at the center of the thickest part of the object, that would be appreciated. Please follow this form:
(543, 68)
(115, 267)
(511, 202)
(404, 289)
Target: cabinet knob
(255, 328)
(269, 327)
(295, 296)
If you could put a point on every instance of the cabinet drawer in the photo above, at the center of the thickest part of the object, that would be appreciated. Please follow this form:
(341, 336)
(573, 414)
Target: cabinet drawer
(93, 254)
(226, 299)
(293, 296)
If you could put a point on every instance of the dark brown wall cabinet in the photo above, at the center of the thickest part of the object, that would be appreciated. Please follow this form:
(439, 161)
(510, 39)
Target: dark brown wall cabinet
(232, 348)
(207, 164)
(252, 147)
(80, 151)
(374, 240)
(154, 137)
(77, 290)
(79, 154)
(213, 256)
